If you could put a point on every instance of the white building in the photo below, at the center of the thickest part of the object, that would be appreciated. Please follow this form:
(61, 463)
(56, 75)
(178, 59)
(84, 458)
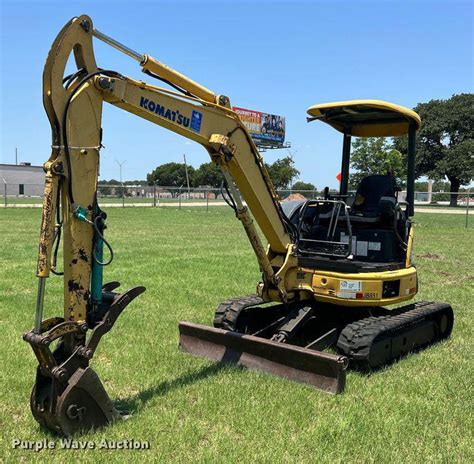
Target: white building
(22, 180)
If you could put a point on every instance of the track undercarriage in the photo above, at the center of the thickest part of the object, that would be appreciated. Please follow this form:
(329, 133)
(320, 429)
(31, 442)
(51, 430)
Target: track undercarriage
(363, 338)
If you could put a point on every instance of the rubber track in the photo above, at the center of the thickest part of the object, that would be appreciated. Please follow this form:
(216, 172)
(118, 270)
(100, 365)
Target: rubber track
(357, 338)
(228, 312)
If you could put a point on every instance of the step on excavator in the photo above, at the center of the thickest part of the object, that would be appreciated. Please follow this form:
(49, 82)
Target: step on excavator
(330, 268)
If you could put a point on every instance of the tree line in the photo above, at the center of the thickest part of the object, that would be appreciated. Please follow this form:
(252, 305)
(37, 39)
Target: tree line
(444, 147)
(282, 172)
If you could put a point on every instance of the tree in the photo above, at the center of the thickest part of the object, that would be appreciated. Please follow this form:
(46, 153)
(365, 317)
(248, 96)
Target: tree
(282, 172)
(136, 182)
(208, 174)
(445, 141)
(300, 185)
(109, 182)
(170, 175)
(109, 187)
(375, 155)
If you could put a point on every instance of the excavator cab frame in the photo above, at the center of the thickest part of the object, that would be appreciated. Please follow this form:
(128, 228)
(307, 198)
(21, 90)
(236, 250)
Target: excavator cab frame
(372, 225)
(370, 118)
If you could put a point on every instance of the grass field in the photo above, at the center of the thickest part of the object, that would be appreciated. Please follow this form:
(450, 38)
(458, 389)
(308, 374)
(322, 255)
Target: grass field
(418, 410)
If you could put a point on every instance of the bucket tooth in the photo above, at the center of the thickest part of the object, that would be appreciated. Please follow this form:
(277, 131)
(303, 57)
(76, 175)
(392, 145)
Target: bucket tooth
(324, 371)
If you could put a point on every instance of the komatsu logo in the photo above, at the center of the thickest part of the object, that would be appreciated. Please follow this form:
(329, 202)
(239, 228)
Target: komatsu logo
(193, 123)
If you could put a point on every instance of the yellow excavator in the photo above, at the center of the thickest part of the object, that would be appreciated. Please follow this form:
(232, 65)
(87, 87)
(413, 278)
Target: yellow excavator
(330, 267)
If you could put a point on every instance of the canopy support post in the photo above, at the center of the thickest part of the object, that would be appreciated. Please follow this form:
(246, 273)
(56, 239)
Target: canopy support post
(411, 170)
(346, 156)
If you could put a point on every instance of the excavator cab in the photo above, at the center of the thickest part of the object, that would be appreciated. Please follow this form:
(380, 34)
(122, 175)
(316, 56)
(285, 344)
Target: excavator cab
(370, 227)
(370, 118)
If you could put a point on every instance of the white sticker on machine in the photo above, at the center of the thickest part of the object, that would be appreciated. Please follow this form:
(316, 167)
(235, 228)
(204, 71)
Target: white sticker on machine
(350, 285)
(375, 246)
(347, 295)
(362, 248)
(345, 239)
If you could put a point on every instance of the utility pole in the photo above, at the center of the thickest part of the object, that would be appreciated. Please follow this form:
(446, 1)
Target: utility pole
(16, 156)
(430, 190)
(5, 194)
(121, 183)
(187, 176)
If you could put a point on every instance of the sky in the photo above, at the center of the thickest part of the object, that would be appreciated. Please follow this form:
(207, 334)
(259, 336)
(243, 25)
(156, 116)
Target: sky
(278, 57)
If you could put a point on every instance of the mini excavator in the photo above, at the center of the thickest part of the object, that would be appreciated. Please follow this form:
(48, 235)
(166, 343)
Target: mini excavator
(330, 268)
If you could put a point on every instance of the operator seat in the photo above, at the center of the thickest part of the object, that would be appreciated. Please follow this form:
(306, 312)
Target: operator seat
(375, 205)
(375, 197)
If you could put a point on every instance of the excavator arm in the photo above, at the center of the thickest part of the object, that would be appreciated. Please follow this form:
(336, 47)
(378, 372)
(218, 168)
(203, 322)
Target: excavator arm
(220, 131)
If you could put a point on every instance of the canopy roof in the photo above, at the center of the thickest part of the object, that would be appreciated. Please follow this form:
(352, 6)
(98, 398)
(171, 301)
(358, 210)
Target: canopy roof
(366, 118)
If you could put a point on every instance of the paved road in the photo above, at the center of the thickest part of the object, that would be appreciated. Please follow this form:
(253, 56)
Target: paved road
(441, 210)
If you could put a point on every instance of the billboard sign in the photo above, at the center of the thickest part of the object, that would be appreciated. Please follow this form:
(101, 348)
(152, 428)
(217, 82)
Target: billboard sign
(263, 127)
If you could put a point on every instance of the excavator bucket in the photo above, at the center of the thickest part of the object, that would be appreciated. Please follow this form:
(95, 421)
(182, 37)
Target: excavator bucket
(68, 396)
(82, 405)
(321, 370)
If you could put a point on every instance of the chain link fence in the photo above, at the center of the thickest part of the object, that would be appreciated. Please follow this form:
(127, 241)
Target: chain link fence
(30, 195)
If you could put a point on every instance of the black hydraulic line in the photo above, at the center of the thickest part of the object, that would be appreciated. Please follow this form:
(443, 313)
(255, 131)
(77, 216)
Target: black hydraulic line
(107, 244)
(176, 87)
(230, 201)
(56, 242)
(67, 80)
(57, 232)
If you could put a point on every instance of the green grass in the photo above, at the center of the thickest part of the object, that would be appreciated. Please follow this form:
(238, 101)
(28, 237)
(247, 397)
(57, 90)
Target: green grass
(11, 200)
(418, 410)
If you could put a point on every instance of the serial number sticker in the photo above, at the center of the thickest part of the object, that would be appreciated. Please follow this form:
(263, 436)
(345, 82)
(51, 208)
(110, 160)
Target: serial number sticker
(347, 295)
(350, 286)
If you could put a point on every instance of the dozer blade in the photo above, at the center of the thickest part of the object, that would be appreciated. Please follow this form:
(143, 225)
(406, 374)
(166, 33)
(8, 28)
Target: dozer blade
(324, 371)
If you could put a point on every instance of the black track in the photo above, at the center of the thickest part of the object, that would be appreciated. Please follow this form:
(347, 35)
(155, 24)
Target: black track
(368, 342)
(375, 341)
(228, 312)
(248, 314)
